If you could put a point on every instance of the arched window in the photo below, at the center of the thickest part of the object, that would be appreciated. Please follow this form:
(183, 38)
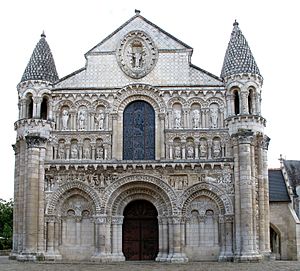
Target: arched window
(30, 107)
(139, 131)
(250, 101)
(236, 102)
(44, 108)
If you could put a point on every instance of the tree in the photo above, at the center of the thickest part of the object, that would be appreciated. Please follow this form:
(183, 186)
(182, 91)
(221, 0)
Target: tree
(6, 224)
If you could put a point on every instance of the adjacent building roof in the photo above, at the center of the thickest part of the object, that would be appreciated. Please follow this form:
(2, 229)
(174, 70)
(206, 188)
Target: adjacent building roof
(292, 168)
(41, 65)
(277, 187)
(238, 58)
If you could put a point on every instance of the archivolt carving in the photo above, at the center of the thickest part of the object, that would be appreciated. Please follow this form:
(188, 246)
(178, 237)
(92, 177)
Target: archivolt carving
(215, 100)
(196, 101)
(64, 103)
(83, 103)
(137, 192)
(174, 100)
(58, 195)
(100, 102)
(140, 182)
(205, 189)
(138, 92)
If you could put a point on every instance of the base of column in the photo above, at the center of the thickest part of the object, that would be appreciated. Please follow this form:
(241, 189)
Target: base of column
(117, 257)
(53, 256)
(162, 257)
(226, 258)
(28, 256)
(102, 258)
(267, 255)
(248, 257)
(179, 258)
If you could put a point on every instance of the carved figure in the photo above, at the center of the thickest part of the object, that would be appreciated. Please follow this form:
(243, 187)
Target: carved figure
(61, 151)
(99, 152)
(216, 149)
(86, 151)
(100, 120)
(190, 151)
(214, 117)
(196, 118)
(81, 120)
(177, 119)
(203, 149)
(177, 152)
(137, 54)
(74, 151)
(65, 118)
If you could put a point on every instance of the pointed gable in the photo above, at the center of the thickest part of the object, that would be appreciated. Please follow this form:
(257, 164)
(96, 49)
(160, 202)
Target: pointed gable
(238, 57)
(162, 39)
(41, 65)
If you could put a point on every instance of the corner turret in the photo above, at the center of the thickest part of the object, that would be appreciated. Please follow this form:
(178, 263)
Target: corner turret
(243, 83)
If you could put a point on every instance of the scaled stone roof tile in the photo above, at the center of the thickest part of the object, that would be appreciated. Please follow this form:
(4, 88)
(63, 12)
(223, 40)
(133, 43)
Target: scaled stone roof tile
(277, 187)
(41, 65)
(238, 58)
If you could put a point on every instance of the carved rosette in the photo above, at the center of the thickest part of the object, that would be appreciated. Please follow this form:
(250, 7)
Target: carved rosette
(136, 54)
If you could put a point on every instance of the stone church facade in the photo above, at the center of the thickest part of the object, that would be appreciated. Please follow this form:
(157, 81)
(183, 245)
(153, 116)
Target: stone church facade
(141, 155)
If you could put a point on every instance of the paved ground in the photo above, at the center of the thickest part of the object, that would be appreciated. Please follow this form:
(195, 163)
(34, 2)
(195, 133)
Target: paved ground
(7, 265)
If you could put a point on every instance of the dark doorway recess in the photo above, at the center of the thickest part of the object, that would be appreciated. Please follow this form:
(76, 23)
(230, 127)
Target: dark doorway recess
(140, 231)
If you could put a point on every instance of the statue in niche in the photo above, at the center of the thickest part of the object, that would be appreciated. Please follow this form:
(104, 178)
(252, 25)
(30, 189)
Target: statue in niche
(203, 149)
(177, 119)
(137, 54)
(216, 149)
(74, 151)
(177, 152)
(61, 151)
(65, 118)
(86, 151)
(81, 120)
(196, 118)
(214, 117)
(99, 152)
(100, 120)
(190, 151)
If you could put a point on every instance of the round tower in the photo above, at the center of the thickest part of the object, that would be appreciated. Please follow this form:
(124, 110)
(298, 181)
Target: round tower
(33, 132)
(245, 123)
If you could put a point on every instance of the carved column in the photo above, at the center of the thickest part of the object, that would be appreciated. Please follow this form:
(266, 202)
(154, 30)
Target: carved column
(222, 238)
(247, 221)
(101, 236)
(162, 136)
(265, 146)
(34, 193)
(183, 150)
(228, 219)
(37, 101)
(197, 148)
(115, 136)
(244, 102)
(175, 240)
(117, 254)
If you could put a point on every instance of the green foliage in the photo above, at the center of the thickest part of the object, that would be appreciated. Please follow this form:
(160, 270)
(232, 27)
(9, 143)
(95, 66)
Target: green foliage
(6, 224)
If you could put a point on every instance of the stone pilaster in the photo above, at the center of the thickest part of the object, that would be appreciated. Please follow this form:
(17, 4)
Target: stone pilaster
(117, 254)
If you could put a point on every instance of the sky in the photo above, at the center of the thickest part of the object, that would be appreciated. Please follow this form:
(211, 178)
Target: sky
(73, 27)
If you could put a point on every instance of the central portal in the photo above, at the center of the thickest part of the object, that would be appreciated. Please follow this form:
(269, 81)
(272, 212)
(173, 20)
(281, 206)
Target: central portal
(140, 231)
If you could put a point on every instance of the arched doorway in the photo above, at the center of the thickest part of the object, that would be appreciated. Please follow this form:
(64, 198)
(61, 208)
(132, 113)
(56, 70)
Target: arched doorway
(140, 231)
(139, 131)
(275, 242)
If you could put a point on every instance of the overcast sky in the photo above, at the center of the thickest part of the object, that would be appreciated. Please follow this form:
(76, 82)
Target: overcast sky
(73, 27)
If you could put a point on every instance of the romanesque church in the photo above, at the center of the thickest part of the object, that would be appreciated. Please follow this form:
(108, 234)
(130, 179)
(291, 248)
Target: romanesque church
(141, 154)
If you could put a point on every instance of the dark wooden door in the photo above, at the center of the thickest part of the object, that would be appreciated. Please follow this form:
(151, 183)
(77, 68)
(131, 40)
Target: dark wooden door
(140, 231)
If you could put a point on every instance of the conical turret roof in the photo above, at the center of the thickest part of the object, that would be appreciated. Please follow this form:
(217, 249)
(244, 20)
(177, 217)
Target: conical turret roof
(41, 65)
(238, 57)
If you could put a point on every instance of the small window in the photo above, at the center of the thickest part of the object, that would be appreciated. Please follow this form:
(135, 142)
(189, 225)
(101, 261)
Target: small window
(44, 108)
(30, 108)
(236, 102)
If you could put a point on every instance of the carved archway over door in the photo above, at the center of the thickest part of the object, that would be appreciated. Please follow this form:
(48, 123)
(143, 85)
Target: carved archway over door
(140, 231)
(139, 131)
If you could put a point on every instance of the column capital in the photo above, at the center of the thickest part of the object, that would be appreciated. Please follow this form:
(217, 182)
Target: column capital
(35, 141)
(117, 220)
(243, 136)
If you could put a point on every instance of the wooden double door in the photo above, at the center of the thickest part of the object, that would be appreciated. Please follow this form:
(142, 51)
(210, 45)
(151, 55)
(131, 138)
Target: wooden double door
(140, 231)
